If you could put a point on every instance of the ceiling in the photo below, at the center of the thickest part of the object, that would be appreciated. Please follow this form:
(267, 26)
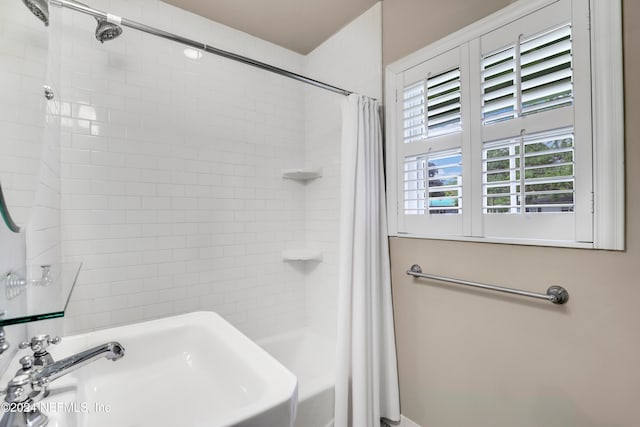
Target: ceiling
(299, 25)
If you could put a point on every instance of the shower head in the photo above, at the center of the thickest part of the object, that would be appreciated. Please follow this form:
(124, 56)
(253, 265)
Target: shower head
(40, 8)
(106, 30)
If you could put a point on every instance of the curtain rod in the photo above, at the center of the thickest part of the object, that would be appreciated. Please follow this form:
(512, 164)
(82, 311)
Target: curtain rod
(78, 7)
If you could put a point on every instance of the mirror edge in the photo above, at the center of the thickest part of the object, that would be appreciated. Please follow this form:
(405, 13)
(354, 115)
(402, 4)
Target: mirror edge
(6, 215)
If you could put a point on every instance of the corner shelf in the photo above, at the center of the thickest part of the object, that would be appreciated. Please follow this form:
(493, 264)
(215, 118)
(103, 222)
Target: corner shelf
(302, 254)
(302, 174)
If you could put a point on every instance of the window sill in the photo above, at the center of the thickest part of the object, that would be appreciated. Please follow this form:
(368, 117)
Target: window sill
(504, 241)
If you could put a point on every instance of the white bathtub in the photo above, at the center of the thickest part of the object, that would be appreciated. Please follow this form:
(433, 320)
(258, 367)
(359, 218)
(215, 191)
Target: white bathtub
(311, 358)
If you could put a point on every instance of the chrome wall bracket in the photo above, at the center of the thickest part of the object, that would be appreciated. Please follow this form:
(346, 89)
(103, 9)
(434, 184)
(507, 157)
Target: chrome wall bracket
(48, 92)
(558, 294)
(46, 278)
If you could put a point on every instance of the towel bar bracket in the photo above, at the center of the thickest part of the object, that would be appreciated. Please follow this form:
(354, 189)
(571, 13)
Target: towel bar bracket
(558, 294)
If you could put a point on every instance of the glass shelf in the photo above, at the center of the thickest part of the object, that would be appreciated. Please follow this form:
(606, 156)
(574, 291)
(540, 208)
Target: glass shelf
(31, 300)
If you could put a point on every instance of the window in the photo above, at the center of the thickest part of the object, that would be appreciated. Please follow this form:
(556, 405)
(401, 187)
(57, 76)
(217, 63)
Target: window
(529, 174)
(496, 130)
(433, 184)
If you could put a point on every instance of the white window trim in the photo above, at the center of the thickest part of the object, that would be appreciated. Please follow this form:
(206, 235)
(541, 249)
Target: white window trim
(608, 124)
(607, 108)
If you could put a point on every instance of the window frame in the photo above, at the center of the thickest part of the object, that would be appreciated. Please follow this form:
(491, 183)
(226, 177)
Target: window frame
(603, 19)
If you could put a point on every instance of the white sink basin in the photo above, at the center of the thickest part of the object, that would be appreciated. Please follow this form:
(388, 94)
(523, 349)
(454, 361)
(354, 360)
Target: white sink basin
(193, 370)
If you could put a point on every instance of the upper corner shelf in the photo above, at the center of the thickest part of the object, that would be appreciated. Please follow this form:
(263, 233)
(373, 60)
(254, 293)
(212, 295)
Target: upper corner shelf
(302, 254)
(301, 174)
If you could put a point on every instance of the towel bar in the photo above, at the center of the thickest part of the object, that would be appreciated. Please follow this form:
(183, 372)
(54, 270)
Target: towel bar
(555, 294)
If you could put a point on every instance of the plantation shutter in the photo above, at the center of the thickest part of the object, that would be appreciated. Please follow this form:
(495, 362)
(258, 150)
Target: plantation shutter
(532, 76)
(530, 174)
(546, 72)
(537, 171)
(499, 90)
(494, 135)
(433, 183)
(431, 107)
(431, 160)
(533, 185)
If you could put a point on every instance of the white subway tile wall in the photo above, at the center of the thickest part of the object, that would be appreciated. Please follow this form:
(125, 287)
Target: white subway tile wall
(29, 147)
(171, 175)
(171, 192)
(23, 71)
(30, 135)
(43, 229)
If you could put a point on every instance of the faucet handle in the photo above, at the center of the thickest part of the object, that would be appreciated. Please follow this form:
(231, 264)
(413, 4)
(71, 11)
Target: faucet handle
(27, 363)
(39, 343)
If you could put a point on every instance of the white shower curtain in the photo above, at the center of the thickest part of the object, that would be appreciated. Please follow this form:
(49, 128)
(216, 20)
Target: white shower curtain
(366, 370)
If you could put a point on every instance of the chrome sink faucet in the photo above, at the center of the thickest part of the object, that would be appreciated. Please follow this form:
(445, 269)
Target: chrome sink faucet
(30, 384)
(112, 351)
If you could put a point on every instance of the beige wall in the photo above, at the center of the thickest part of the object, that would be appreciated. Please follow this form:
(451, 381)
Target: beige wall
(476, 359)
